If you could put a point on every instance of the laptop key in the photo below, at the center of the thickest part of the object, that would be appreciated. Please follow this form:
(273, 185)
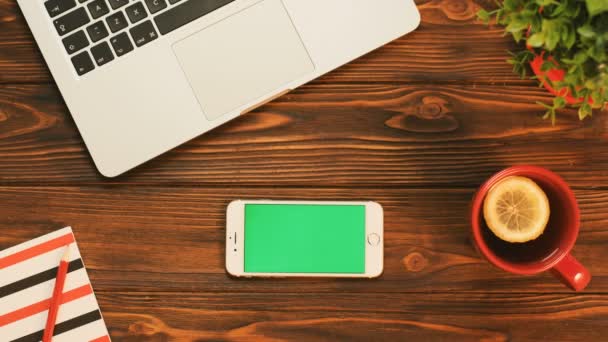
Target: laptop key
(185, 13)
(143, 33)
(97, 31)
(83, 63)
(98, 8)
(156, 5)
(71, 21)
(75, 42)
(57, 7)
(102, 53)
(121, 44)
(117, 21)
(136, 12)
(118, 3)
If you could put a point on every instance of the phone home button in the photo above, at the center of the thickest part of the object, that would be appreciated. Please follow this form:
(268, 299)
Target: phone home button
(373, 239)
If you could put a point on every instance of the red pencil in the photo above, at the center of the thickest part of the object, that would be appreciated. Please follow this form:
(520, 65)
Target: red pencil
(56, 299)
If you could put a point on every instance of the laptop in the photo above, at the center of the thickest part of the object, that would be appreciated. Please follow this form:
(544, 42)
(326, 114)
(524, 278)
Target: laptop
(141, 77)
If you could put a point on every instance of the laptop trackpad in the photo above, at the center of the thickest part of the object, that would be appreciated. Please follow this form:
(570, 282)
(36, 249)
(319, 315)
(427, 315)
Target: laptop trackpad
(243, 58)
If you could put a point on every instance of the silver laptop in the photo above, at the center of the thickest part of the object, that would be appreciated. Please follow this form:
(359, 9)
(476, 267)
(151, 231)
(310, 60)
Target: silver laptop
(142, 77)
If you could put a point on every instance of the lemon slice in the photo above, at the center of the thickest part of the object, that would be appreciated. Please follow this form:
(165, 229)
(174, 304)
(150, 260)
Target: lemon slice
(516, 209)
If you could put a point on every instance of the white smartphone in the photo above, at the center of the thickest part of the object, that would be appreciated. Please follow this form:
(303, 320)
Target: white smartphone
(304, 239)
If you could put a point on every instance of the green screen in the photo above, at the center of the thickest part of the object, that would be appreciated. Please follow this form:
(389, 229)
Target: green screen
(286, 238)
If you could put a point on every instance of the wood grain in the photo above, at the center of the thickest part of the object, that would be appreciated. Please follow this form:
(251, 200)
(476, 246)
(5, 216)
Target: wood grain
(172, 239)
(416, 126)
(348, 317)
(328, 135)
(450, 46)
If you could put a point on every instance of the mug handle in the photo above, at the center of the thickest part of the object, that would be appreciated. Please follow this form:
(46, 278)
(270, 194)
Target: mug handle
(572, 273)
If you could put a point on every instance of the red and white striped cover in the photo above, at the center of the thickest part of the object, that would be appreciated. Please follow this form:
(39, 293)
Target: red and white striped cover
(27, 278)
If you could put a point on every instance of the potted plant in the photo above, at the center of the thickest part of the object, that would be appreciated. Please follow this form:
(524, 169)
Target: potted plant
(566, 46)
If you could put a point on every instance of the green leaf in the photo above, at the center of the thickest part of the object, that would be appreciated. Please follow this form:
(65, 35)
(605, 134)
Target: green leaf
(537, 40)
(483, 15)
(572, 8)
(569, 36)
(550, 114)
(546, 66)
(591, 85)
(552, 31)
(596, 96)
(518, 36)
(586, 31)
(596, 7)
(551, 40)
(559, 102)
(545, 3)
(560, 9)
(585, 110)
(517, 25)
(597, 53)
(581, 57)
(544, 105)
(499, 14)
(511, 5)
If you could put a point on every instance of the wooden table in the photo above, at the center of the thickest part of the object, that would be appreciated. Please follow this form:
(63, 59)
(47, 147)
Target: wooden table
(416, 126)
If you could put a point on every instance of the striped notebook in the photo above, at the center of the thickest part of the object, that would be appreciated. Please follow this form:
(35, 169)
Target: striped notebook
(27, 278)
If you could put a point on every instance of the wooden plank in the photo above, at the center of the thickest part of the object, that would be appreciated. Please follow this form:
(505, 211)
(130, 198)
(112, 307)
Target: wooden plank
(20, 59)
(328, 135)
(346, 317)
(450, 46)
(172, 239)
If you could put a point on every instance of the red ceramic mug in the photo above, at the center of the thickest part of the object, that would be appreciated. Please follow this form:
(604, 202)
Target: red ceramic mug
(551, 251)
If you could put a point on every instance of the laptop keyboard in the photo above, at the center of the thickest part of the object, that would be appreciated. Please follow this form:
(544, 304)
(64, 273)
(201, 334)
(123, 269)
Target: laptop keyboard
(96, 32)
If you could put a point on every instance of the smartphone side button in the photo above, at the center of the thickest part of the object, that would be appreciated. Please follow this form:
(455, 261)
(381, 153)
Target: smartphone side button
(373, 239)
